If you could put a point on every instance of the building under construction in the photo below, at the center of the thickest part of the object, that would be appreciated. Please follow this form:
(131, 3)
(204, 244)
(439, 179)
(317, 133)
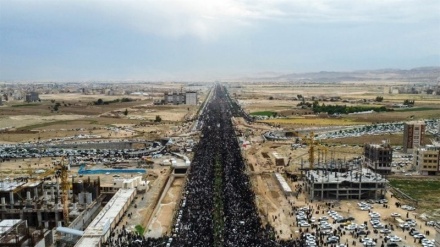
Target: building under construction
(29, 209)
(354, 184)
(39, 202)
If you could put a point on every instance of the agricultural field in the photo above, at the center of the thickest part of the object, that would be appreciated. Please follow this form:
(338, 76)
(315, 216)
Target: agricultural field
(65, 115)
(425, 191)
(282, 100)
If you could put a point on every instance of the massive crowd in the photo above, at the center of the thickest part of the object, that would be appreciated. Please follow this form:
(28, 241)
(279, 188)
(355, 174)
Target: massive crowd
(195, 222)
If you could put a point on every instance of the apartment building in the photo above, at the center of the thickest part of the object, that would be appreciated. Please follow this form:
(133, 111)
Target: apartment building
(378, 157)
(413, 135)
(427, 160)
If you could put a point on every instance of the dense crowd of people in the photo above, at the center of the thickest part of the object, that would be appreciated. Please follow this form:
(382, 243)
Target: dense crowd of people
(195, 224)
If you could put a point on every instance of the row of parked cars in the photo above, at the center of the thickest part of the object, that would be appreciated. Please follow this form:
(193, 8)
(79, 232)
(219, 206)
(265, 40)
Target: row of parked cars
(376, 129)
(7, 153)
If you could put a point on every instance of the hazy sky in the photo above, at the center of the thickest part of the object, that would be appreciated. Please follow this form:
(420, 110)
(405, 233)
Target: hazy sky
(218, 39)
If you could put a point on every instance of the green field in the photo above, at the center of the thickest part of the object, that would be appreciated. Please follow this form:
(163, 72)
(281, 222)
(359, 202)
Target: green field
(25, 105)
(416, 109)
(426, 191)
(263, 113)
(314, 121)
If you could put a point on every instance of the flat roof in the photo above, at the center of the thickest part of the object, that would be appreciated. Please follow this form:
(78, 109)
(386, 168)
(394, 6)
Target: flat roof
(363, 176)
(91, 241)
(101, 223)
(284, 184)
(9, 185)
(6, 225)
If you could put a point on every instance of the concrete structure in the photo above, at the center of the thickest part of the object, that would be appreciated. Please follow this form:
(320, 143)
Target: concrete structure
(191, 98)
(356, 184)
(284, 185)
(32, 97)
(105, 222)
(39, 203)
(13, 232)
(174, 98)
(413, 135)
(187, 98)
(279, 159)
(427, 160)
(378, 157)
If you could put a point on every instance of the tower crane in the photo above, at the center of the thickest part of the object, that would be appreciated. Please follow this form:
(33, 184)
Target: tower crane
(62, 173)
(313, 145)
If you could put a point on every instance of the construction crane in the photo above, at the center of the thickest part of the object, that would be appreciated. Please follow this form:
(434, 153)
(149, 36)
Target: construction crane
(62, 173)
(312, 143)
(313, 147)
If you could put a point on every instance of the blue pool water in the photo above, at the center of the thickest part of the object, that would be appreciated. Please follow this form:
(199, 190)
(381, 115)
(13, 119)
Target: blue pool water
(83, 171)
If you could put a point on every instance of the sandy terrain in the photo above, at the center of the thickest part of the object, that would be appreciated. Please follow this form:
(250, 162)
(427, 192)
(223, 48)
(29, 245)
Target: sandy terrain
(162, 220)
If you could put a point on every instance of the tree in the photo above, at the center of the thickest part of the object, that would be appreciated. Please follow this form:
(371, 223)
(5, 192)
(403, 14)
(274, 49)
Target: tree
(99, 102)
(379, 99)
(158, 119)
(140, 230)
(270, 97)
(56, 106)
(126, 112)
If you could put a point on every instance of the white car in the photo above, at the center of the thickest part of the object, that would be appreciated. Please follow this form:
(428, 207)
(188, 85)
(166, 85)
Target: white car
(395, 239)
(395, 215)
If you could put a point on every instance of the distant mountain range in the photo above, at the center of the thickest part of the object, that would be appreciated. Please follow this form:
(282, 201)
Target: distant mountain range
(421, 74)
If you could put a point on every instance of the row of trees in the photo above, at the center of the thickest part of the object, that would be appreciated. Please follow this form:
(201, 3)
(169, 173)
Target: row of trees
(343, 109)
(102, 102)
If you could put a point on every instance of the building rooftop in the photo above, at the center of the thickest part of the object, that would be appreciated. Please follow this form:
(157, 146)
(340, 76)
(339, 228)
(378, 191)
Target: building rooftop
(284, 184)
(364, 175)
(102, 221)
(9, 185)
(6, 225)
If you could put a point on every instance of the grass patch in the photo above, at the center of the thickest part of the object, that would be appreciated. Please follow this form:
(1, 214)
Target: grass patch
(313, 121)
(425, 191)
(418, 189)
(263, 113)
(25, 105)
(416, 109)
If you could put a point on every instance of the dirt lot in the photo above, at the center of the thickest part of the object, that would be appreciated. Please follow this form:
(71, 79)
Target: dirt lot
(162, 220)
(77, 114)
